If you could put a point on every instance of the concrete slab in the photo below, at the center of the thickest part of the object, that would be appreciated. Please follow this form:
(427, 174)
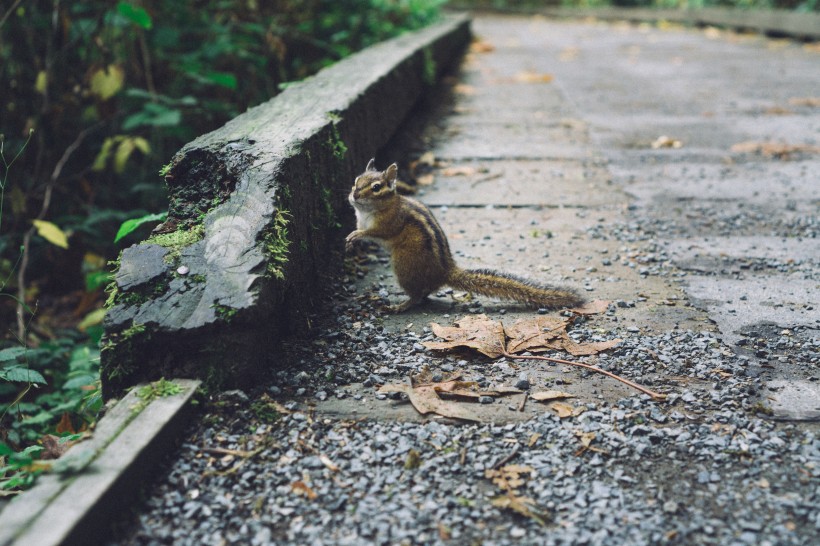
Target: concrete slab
(738, 303)
(101, 476)
(523, 183)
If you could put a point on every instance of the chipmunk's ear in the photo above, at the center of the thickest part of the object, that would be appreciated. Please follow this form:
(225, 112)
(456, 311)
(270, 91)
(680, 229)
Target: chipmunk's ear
(371, 165)
(390, 175)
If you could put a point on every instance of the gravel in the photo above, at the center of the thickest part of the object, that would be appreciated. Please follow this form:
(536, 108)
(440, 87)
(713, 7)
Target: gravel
(705, 467)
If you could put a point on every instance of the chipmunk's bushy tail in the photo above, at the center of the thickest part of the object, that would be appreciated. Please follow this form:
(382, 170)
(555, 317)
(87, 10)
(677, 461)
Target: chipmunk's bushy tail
(510, 287)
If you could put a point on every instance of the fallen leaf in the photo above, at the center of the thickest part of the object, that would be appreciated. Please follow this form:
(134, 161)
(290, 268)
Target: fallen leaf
(65, 425)
(459, 171)
(425, 179)
(774, 149)
(464, 89)
(805, 101)
(586, 349)
(477, 332)
(480, 46)
(533, 438)
(302, 489)
(664, 141)
(536, 333)
(426, 400)
(563, 410)
(533, 77)
(524, 506)
(545, 396)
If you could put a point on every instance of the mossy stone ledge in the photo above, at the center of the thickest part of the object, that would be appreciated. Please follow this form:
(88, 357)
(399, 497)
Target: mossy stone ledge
(255, 215)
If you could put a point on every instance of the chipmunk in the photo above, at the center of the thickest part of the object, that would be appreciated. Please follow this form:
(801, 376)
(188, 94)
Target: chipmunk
(419, 251)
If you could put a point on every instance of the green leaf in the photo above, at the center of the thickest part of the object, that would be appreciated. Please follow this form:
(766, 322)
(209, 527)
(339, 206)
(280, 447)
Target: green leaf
(130, 225)
(19, 374)
(154, 115)
(93, 318)
(80, 381)
(135, 14)
(94, 280)
(51, 233)
(11, 353)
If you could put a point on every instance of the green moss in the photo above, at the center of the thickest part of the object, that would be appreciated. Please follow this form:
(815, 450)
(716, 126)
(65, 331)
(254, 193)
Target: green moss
(225, 312)
(327, 204)
(276, 245)
(177, 240)
(335, 142)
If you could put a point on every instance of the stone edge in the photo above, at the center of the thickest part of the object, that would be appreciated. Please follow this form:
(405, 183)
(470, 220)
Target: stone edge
(125, 447)
(778, 23)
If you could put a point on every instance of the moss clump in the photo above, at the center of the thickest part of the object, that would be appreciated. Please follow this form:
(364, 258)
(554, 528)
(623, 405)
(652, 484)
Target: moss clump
(177, 240)
(224, 312)
(276, 245)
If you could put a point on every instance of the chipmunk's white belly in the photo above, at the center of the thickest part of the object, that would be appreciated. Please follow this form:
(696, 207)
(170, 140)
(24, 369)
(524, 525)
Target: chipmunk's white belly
(364, 218)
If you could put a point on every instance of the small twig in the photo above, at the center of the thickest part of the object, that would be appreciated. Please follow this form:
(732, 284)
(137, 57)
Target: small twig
(21, 273)
(655, 395)
(523, 401)
(503, 462)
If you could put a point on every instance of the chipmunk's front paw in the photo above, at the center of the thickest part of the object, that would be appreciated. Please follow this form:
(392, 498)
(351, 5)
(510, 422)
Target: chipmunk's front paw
(351, 239)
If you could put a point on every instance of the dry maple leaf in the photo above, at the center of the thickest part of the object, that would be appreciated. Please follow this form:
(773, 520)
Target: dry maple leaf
(536, 333)
(477, 332)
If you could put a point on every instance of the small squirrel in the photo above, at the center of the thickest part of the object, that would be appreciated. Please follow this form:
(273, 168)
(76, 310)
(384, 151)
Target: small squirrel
(419, 251)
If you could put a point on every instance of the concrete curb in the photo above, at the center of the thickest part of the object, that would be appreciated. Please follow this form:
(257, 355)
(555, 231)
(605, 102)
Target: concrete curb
(780, 23)
(77, 506)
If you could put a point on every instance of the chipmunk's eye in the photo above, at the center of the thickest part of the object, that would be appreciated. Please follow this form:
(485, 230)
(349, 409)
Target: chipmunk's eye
(376, 187)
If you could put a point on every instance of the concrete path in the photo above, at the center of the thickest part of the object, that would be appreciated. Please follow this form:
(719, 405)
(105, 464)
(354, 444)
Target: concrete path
(673, 172)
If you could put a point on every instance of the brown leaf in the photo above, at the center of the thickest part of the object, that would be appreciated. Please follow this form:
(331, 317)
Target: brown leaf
(464, 89)
(536, 333)
(563, 410)
(480, 46)
(586, 349)
(65, 425)
(778, 150)
(425, 399)
(664, 141)
(532, 77)
(301, 488)
(546, 396)
(805, 101)
(459, 171)
(521, 505)
(425, 179)
(592, 308)
(477, 332)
